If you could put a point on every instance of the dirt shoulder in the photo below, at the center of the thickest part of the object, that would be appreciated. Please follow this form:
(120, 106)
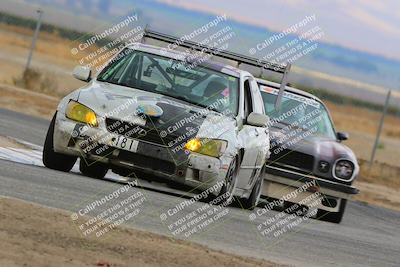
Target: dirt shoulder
(379, 195)
(34, 235)
(8, 142)
(27, 102)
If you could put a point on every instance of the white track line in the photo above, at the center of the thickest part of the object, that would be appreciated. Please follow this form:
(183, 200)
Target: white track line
(30, 153)
(34, 157)
(12, 155)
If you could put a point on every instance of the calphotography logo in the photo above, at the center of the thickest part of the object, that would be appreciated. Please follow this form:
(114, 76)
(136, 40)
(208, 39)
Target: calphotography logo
(150, 110)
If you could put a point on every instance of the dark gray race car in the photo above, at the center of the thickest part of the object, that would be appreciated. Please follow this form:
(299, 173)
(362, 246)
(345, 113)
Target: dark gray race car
(308, 167)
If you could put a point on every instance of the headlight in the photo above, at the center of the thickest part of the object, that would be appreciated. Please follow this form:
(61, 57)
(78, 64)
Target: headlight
(205, 146)
(344, 169)
(78, 112)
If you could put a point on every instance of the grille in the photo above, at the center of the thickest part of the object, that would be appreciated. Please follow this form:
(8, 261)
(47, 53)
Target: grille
(293, 158)
(139, 132)
(147, 162)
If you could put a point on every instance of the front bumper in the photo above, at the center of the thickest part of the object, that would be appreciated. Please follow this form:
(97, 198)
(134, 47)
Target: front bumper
(296, 179)
(195, 170)
(280, 182)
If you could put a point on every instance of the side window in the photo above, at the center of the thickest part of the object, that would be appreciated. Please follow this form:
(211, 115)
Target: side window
(248, 104)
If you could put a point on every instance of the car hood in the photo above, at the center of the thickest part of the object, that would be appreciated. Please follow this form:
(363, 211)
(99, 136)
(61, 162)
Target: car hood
(321, 148)
(179, 118)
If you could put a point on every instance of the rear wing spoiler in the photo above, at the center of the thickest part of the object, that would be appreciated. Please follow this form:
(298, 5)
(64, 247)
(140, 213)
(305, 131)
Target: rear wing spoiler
(240, 59)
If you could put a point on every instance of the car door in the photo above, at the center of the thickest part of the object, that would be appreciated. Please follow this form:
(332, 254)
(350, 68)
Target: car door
(253, 139)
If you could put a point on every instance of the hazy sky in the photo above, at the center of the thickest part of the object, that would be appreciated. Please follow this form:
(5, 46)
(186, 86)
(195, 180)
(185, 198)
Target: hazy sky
(368, 25)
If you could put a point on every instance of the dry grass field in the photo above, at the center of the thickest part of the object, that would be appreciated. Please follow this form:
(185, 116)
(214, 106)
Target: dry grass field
(52, 57)
(54, 62)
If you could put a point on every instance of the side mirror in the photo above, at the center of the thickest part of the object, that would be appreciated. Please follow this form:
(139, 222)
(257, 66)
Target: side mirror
(257, 119)
(342, 136)
(82, 73)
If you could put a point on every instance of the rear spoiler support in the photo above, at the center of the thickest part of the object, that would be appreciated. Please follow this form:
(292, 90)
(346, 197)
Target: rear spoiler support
(285, 75)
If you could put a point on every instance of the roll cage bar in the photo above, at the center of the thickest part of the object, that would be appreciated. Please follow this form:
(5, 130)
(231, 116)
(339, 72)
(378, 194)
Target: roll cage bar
(240, 59)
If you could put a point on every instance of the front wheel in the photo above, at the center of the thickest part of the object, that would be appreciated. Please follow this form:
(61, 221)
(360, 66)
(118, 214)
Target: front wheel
(333, 217)
(93, 169)
(225, 196)
(252, 201)
(52, 159)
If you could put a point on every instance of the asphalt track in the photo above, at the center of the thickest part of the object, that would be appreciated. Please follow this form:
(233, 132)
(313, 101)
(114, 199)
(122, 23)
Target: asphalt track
(367, 236)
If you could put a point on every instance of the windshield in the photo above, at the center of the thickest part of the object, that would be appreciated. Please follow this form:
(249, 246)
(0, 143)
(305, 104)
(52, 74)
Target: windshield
(297, 111)
(194, 84)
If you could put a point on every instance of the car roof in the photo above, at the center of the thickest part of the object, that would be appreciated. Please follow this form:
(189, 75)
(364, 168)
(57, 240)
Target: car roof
(179, 55)
(288, 89)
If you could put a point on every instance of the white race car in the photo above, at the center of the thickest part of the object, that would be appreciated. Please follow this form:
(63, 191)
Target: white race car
(150, 111)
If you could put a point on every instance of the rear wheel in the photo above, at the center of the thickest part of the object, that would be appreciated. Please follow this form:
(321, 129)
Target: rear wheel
(333, 217)
(52, 159)
(93, 169)
(252, 201)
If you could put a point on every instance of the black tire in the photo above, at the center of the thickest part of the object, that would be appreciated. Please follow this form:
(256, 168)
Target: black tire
(229, 183)
(52, 159)
(252, 201)
(333, 217)
(93, 169)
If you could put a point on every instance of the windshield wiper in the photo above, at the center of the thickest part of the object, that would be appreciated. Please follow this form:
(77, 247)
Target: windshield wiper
(108, 81)
(209, 108)
(184, 98)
